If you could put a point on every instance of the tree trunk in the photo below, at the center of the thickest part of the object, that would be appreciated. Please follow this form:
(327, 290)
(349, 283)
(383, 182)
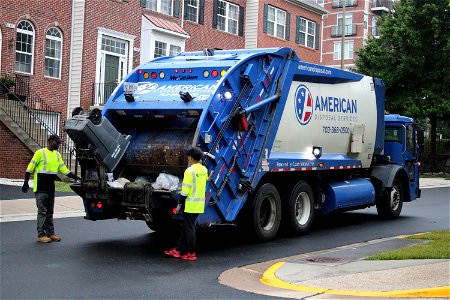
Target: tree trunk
(433, 122)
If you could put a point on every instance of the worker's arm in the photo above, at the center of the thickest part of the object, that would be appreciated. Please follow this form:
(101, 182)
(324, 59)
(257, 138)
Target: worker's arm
(25, 185)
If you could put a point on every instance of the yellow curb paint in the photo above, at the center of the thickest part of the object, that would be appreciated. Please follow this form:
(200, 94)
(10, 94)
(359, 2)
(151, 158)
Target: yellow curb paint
(269, 278)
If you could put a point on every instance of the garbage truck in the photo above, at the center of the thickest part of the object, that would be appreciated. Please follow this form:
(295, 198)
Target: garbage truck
(283, 141)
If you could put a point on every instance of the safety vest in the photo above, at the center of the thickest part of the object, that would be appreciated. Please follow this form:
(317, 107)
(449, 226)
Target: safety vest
(46, 164)
(194, 188)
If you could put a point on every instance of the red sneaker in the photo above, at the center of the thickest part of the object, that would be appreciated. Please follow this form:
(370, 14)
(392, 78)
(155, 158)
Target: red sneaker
(173, 253)
(189, 256)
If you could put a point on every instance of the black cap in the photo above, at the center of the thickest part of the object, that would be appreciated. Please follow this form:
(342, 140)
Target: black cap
(55, 137)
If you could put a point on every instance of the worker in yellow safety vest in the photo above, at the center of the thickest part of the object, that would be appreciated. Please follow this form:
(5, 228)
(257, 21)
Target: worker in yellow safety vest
(191, 203)
(46, 163)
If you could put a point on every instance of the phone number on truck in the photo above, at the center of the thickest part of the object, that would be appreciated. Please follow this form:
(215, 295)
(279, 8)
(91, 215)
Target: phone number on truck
(335, 129)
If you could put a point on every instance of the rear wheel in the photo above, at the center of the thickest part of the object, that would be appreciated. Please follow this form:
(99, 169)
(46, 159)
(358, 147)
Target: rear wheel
(266, 212)
(390, 205)
(301, 208)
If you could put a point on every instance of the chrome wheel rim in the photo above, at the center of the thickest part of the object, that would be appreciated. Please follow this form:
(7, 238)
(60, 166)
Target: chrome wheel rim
(395, 198)
(302, 208)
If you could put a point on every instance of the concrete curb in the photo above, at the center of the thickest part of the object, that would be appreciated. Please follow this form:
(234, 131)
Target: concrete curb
(269, 278)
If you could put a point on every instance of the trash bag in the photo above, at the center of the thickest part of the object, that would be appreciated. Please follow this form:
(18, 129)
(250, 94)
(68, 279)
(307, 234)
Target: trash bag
(166, 182)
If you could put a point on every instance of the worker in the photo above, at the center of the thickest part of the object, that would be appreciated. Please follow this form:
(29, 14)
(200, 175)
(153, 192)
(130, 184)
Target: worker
(191, 203)
(46, 163)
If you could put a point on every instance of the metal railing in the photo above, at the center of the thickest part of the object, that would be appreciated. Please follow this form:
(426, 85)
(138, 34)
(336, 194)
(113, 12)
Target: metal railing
(338, 3)
(350, 30)
(383, 4)
(101, 92)
(35, 117)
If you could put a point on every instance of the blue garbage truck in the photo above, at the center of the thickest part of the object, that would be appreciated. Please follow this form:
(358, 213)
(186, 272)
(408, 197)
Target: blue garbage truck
(284, 141)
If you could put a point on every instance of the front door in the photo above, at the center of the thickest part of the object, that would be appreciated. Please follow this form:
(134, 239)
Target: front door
(111, 75)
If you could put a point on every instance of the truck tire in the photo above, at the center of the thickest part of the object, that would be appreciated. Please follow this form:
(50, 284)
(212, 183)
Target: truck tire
(390, 204)
(301, 208)
(266, 212)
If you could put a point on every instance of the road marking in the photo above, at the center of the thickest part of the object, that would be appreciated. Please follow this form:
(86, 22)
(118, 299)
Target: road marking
(269, 278)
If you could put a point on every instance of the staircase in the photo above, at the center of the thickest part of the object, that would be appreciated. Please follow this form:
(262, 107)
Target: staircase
(31, 119)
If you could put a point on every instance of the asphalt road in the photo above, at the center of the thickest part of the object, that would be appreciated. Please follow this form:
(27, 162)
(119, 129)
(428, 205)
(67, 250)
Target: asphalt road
(121, 259)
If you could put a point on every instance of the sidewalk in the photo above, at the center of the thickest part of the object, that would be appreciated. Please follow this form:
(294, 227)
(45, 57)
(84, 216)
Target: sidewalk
(342, 273)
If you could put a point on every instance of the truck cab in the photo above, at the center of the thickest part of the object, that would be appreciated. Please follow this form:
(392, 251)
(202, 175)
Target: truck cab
(403, 144)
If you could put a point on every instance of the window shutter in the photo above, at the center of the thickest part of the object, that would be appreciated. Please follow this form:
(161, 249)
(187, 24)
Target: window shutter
(201, 12)
(288, 26)
(317, 36)
(241, 21)
(143, 3)
(176, 8)
(185, 9)
(266, 11)
(297, 29)
(215, 11)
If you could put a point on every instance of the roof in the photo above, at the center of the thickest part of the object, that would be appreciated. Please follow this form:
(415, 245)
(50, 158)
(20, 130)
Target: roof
(310, 5)
(167, 25)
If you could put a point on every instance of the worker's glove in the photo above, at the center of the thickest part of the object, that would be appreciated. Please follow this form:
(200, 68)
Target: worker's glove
(25, 186)
(179, 211)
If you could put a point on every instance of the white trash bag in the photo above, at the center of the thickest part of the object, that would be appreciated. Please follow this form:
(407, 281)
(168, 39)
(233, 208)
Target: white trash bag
(166, 182)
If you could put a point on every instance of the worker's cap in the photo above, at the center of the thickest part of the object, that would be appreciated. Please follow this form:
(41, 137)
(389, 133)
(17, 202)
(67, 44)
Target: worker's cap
(55, 137)
(195, 153)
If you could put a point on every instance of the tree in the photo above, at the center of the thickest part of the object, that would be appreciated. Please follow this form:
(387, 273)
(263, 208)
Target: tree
(412, 56)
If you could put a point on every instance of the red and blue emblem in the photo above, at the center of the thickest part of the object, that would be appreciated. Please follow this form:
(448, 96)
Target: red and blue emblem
(303, 104)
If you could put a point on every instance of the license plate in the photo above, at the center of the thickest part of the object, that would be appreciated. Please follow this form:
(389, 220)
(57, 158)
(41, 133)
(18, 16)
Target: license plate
(130, 87)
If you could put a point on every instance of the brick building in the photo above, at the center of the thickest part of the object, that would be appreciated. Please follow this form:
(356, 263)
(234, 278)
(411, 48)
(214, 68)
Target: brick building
(360, 22)
(66, 54)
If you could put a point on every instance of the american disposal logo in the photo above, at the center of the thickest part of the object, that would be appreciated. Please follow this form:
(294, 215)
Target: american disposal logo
(303, 104)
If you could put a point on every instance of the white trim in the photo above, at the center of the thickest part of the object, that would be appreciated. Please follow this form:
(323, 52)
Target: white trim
(33, 34)
(119, 35)
(60, 51)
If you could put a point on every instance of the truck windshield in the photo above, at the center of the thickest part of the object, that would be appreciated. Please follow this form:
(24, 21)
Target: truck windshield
(393, 134)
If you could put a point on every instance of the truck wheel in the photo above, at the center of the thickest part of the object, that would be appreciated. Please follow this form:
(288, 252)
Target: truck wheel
(266, 212)
(301, 208)
(390, 205)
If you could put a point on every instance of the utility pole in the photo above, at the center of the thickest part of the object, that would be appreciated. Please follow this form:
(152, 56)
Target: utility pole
(343, 34)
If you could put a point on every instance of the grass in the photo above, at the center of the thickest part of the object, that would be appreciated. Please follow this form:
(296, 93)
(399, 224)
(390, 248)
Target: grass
(63, 186)
(438, 247)
(446, 176)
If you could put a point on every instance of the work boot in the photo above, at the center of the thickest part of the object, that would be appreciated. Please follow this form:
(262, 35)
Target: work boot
(55, 238)
(44, 239)
(189, 256)
(173, 253)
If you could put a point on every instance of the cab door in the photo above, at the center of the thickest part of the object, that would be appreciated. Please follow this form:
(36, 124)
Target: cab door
(411, 159)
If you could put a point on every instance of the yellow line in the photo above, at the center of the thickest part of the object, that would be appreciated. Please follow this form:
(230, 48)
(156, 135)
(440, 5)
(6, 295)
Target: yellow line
(270, 279)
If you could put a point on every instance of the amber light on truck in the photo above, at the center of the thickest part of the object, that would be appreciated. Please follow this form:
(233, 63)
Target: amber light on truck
(146, 75)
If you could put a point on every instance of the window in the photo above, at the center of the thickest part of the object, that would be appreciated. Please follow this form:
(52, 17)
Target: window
(24, 47)
(174, 50)
(276, 21)
(348, 50)
(160, 49)
(306, 32)
(348, 24)
(161, 6)
(191, 13)
(227, 17)
(53, 41)
(113, 45)
(374, 27)
(393, 134)
(366, 20)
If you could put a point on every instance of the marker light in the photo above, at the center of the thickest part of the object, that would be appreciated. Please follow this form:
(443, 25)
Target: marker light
(176, 70)
(146, 75)
(174, 210)
(227, 95)
(222, 73)
(162, 74)
(99, 205)
(183, 70)
(317, 152)
(140, 71)
(206, 73)
(190, 70)
(214, 73)
(154, 75)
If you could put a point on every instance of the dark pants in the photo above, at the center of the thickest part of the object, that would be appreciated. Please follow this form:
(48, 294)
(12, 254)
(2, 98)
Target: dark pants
(45, 202)
(186, 243)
